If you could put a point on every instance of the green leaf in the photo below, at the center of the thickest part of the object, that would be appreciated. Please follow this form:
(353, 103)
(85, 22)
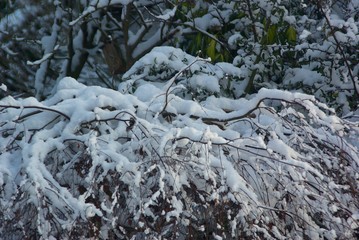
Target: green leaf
(211, 50)
(291, 34)
(272, 33)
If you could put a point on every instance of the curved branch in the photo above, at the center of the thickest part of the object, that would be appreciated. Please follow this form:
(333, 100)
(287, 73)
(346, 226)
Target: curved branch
(341, 50)
(248, 114)
(36, 112)
(193, 27)
(173, 79)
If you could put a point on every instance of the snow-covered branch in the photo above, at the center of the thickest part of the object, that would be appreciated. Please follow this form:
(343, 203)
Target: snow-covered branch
(116, 167)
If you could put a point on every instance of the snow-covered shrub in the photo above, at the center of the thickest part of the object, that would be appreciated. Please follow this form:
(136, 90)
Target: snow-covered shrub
(199, 78)
(326, 52)
(91, 162)
(307, 46)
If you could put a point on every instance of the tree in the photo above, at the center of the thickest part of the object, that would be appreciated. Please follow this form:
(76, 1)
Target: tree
(79, 33)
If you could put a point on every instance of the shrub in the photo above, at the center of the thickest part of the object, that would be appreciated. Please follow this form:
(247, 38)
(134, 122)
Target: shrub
(91, 162)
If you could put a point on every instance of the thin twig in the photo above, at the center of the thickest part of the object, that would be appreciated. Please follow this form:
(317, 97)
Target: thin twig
(173, 79)
(36, 112)
(341, 50)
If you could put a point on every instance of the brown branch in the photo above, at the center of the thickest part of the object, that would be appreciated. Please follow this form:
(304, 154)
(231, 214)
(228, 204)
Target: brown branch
(173, 79)
(70, 46)
(36, 112)
(126, 29)
(221, 122)
(341, 50)
(253, 21)
(193, 27)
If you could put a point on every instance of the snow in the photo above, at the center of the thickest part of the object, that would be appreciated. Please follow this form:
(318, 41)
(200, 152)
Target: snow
(209, 83)
(280, 147)
(290, 19)
(95, 5)
(3, 87)
(181, 145)
(302, 75)
(304, 34)
(69, 83)
(214, 23)
(204, 22)
(16, 18)
(234, 39)
(273, 147)
(229, 69)
(168, 15)
(43, 59)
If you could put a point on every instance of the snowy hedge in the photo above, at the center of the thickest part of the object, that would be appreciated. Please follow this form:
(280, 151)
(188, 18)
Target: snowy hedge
(168, 159)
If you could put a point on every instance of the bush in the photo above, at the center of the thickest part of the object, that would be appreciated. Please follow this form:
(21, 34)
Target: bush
(91, 162)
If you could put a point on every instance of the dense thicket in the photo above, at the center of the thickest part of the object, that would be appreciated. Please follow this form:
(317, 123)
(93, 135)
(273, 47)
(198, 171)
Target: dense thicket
(243, 124)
